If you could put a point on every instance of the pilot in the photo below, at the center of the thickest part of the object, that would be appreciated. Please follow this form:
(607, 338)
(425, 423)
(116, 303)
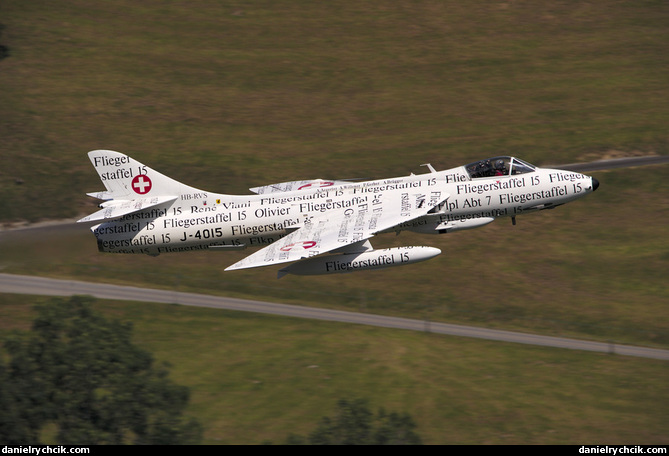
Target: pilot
(500, 169)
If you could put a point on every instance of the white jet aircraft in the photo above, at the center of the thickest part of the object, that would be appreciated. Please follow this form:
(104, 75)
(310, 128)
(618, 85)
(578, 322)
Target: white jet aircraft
(321, 226)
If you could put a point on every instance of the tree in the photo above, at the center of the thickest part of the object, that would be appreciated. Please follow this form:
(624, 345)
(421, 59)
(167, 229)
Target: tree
(355, 424)
(80, 371)
(396, 429)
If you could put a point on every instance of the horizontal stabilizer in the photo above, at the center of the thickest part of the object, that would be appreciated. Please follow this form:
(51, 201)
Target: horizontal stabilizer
(118, 208)
(102, 195)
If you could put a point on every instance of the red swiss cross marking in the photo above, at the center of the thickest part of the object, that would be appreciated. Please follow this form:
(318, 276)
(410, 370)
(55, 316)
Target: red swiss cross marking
(303, 244)
(141, 184)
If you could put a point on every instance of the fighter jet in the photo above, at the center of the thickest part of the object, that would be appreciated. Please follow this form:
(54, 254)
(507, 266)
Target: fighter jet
(317, 226)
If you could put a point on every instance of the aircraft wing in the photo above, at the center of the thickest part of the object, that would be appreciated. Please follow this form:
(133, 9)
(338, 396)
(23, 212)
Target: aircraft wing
(337, 229)
(297, 185)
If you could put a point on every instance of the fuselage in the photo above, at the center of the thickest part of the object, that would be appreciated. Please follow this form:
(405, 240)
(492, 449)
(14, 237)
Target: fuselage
(477, 194)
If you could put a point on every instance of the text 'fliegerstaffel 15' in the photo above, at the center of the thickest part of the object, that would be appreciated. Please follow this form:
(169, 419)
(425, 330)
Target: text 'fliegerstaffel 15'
(318, 226)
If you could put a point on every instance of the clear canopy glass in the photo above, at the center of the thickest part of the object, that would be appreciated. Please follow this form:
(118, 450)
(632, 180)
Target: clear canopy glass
(498, 166)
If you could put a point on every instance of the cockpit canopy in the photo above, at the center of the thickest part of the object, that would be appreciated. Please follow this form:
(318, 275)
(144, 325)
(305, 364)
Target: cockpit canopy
(498, 166)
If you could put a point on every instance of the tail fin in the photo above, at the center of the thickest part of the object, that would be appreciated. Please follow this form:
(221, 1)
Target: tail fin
(131, 186)
(126, 178)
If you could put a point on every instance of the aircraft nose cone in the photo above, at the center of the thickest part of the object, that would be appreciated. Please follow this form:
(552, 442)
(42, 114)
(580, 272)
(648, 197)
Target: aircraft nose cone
(595, 184)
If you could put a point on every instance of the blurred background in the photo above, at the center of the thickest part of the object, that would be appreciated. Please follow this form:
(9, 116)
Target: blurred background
(231, 95)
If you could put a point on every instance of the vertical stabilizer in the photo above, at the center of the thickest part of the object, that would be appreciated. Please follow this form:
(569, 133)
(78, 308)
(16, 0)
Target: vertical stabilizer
(126, 178)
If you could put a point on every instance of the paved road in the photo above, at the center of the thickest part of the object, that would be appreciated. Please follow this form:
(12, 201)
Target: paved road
(615, 163)
(52, 287)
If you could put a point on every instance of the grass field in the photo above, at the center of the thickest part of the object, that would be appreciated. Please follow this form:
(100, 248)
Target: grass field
(593, 269)
(231, 95)
(257, 378)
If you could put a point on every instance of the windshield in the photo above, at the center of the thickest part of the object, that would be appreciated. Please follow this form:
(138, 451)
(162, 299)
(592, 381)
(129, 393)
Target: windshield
(498, 166)
(520, 167)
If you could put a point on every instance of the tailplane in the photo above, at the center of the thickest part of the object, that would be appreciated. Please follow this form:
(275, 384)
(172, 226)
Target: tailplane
(126, 178)
(130, 186)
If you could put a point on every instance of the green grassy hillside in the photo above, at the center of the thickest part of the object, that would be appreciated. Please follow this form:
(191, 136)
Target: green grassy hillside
(232, 95)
